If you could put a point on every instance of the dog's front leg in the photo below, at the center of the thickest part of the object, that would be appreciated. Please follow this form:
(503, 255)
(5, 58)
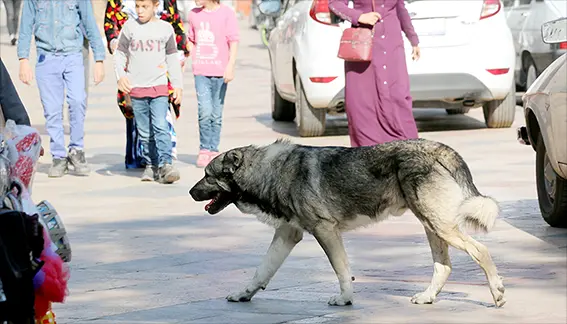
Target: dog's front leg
(285, 239)
(332, 243)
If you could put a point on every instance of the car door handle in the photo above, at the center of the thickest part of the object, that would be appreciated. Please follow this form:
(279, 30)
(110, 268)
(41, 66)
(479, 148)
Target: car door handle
(525, 14)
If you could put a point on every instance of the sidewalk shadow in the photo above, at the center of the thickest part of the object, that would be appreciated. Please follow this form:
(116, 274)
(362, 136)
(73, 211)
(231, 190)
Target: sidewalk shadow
(532, 222)
(427, 120)
(112, 165)
(187, 158)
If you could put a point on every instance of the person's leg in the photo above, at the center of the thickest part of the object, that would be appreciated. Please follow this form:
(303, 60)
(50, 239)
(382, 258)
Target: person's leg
(158, 111)
(16, 19)
(141, 108)
(219, 92)
(49, 75)
(87, 65)
(205, 108)
(9, 5)
(74, 76)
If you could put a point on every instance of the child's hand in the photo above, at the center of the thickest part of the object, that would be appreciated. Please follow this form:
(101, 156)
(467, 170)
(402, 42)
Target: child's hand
(98, 72)
(229, 74)
(177, 95)
(26, 74)
(124, 85)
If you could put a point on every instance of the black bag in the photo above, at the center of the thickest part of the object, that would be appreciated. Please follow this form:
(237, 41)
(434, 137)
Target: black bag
(21, 244)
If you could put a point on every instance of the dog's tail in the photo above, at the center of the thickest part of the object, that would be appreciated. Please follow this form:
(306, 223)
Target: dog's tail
(477, 212)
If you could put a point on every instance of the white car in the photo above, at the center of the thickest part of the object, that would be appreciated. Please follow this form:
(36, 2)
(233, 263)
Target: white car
(525, 18)
(545, 111)
(467, 60)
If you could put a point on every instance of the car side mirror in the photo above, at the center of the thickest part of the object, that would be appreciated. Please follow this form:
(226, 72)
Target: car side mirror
(270, 7)
(555, 31)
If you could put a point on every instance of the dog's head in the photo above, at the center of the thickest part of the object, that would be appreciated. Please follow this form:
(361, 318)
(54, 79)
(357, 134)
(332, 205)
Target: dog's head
(218, 184)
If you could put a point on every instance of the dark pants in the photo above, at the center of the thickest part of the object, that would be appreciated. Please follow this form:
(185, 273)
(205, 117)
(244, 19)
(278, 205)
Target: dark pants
(12, 15)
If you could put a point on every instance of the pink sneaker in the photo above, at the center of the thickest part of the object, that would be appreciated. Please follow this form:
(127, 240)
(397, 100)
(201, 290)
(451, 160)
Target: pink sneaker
(203, 158)
(213, 155)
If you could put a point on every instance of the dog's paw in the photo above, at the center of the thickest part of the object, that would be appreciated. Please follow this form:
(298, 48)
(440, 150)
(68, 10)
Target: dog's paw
(498, 293)
(423, 298)
(341, 300)
(243, 296)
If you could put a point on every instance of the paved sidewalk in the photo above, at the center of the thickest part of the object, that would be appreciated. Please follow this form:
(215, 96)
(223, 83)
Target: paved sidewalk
(147, 253)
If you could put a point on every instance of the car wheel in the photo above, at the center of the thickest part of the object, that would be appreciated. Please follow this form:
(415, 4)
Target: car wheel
(551, 189)
(282, 110)
(500, 113)
(310, 121)
(458, 111)
(531, 74)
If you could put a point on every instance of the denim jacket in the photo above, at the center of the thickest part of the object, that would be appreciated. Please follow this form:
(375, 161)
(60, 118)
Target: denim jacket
(58, 27)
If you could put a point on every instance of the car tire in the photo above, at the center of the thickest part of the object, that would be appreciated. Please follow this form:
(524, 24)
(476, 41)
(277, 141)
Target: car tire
(310, 121)
(282, 110)
(500, 113)
(459, 111)
(553, 206)
(531, 73)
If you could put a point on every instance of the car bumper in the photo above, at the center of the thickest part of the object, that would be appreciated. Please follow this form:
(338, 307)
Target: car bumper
(448, 86)
(461, 72)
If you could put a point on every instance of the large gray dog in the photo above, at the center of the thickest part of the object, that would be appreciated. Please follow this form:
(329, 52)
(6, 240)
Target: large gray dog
(329, 190)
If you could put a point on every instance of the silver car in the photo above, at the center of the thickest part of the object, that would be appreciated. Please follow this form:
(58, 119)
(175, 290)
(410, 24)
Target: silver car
(545, 111)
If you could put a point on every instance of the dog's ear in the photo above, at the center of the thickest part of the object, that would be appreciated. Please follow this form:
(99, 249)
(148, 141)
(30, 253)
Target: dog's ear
(232, 161)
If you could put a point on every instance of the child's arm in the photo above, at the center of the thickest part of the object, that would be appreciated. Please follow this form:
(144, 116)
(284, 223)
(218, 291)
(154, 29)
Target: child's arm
(27, 22)
(174, 67)
(190, 33)
(121, 57)
(232, 37)
(93, 35)
(113, 21)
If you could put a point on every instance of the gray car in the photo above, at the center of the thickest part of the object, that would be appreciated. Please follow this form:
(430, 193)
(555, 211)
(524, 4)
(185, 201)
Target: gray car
(545, 111)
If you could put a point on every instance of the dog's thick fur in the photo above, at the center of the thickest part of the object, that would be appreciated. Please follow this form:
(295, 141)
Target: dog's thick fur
(329, 190)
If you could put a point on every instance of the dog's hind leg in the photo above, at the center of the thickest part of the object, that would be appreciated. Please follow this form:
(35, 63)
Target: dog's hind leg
(332, 243)
(479, 253)
(284, 240)
(441, 269)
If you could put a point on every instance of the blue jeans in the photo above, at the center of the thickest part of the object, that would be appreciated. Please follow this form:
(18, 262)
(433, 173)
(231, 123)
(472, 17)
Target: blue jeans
(210, 99)
(54, 74)
(151, 112)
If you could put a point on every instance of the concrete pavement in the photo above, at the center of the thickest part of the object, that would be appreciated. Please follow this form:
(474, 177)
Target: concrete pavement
(146, 253)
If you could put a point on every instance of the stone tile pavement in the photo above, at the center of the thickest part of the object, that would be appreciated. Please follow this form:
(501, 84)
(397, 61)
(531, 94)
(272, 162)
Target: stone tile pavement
(146, 253)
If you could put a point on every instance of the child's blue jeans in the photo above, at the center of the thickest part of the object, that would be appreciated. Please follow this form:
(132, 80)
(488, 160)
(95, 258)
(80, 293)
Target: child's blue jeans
(150, 116)
(210, 99)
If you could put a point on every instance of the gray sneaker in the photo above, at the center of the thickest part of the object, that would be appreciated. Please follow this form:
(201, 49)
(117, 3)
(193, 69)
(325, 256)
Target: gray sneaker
(168, 174)
(149, 174)
(58, 168)
(78, 161)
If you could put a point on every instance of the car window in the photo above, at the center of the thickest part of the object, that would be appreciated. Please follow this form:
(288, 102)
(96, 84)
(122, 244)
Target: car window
(508, 3)
(525, 2)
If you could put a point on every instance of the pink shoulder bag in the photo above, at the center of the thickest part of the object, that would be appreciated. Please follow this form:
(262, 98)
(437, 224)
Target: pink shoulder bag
(356, 43)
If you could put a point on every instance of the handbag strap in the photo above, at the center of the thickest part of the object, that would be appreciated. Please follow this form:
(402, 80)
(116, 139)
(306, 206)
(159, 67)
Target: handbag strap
(373, 10)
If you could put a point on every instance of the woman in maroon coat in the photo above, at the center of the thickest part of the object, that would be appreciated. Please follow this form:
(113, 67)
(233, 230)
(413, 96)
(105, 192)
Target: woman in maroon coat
(377, 93)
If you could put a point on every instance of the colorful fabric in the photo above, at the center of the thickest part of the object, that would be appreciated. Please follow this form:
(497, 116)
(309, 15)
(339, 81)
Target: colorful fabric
(50, 283)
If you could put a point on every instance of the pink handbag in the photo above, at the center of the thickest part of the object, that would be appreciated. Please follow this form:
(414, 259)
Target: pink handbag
(356, 43)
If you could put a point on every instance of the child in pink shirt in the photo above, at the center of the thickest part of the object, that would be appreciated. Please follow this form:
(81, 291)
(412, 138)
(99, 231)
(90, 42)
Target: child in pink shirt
(213, 33)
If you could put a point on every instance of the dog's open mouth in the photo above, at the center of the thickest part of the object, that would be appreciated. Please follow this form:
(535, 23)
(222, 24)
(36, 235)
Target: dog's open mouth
(218, 203)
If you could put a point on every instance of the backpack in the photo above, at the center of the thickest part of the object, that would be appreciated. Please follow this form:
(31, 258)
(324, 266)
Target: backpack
(21, 244)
